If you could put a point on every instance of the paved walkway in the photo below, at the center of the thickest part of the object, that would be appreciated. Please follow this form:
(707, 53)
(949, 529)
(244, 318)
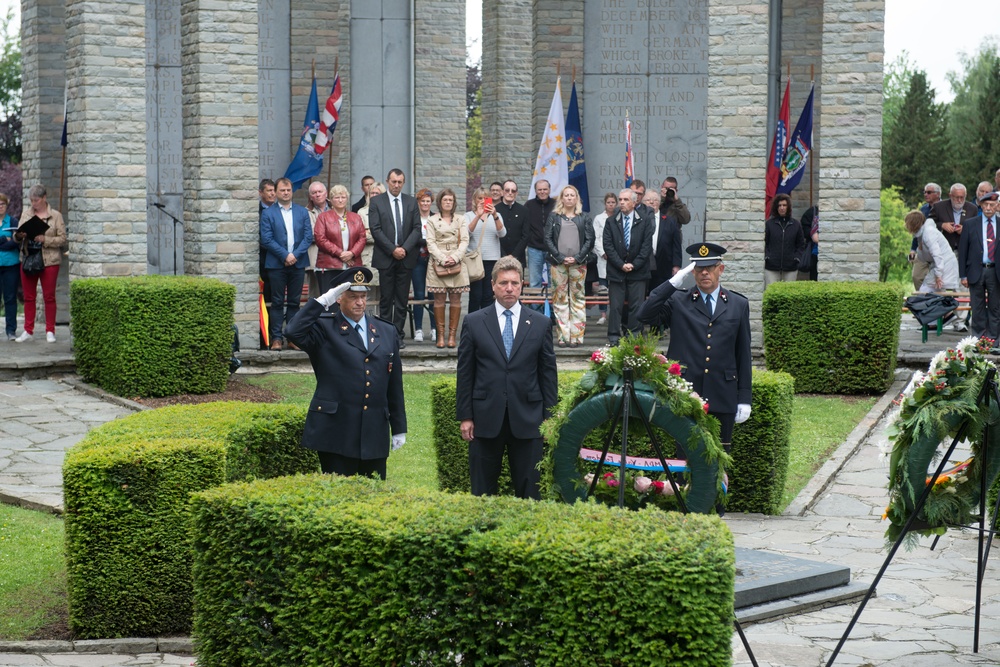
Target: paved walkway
(922, 616)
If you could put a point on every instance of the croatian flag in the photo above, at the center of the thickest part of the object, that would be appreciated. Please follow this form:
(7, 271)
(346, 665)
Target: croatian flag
(328, 119)
(799, 146)
(307, 162)
(778, 147)
(629, 162)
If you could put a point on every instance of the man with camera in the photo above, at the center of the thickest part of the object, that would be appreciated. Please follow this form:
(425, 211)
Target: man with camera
(671, 204)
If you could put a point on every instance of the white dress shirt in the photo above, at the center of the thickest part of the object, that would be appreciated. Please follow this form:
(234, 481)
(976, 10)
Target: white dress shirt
(502, 319)
(286, 216)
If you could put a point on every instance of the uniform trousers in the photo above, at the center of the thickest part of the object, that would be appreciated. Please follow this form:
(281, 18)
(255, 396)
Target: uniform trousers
(349, 466)
(486, 462)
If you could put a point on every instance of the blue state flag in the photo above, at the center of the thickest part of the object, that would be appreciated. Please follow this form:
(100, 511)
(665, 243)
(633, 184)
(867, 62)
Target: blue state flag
(576, 167)
(799, 146)
(307, 163)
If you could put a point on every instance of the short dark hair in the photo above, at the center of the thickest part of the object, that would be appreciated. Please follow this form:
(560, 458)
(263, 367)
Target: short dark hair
(264, 182)
(366, 177)
(496, 183)
(395, 172)
(442, 195)
(282, 180)
(670, 179)
(509, 180)
(638, 183)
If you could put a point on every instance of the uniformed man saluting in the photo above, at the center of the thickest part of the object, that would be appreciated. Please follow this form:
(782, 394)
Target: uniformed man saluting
(359, 380)
(709, 335)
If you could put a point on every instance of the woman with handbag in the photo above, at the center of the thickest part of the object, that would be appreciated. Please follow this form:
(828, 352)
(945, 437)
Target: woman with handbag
(340, 238)
(485, 231)
(447, 241)
(48, 247)
(10, 266)
(569, 241)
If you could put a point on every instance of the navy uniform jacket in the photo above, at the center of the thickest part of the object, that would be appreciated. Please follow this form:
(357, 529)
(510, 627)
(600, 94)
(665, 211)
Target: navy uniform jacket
(715, 350)
(359, 394)
(525, 386)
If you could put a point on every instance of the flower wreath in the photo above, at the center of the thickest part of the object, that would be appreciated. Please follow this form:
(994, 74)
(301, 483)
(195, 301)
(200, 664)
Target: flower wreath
(669, 403)
(933, 409)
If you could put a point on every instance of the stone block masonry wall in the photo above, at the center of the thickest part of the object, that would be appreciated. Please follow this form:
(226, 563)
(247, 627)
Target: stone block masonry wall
(737, 143)
(219, 78)
(43, 55)
(507, 109)
(439, 71)
(106, 160)
(849, 173)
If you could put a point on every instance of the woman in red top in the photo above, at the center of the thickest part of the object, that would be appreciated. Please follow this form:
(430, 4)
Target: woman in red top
(340, 238)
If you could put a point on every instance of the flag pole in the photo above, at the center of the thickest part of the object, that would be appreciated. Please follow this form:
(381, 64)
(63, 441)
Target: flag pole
(812, 163)
(329, 164)
(62, 180)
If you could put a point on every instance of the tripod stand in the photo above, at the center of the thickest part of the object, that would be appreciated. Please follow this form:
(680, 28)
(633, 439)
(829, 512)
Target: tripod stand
(988, 391)
(623, 414)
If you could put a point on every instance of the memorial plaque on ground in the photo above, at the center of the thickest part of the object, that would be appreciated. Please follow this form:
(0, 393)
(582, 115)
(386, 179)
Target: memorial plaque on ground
(649, 59)
(765, 577)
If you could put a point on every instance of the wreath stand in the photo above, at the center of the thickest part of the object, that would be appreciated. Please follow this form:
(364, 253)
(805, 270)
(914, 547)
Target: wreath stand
(623, 413)
(988, 391)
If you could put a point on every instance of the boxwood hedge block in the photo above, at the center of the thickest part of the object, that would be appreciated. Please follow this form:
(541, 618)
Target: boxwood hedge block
(153, 335)
(761, 446)
(834, 338)
(312, 570)
(126, 487)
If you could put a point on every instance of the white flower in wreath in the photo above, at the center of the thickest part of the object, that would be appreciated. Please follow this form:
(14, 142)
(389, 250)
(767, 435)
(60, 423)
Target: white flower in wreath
(918, 379)
(967, 345)
(938, 361)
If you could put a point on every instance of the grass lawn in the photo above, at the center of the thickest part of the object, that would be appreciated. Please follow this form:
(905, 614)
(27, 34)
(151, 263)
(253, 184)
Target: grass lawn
(32, 572)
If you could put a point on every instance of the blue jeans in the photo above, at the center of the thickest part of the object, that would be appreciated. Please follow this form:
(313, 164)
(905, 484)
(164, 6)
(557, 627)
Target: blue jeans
(9, 277)
(420, 293)
(536, 267)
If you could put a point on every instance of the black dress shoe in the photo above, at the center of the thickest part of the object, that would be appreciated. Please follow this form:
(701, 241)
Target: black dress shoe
(402, 344)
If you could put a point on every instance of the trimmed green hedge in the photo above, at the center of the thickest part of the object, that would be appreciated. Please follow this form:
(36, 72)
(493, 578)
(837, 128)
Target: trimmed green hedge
(126, 488)
(760, 446)
(153, 335)
(327, 570)
(834, 338)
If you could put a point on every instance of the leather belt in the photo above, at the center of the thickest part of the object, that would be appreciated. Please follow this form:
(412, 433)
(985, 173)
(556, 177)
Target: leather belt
(989, 265)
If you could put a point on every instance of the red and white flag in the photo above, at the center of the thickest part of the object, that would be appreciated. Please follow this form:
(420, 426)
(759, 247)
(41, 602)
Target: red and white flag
(328, 119)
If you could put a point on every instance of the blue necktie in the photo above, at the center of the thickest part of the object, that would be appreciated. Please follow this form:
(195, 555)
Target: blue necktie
(364, 343)
(508, 332)
(708, 303)
(627, 227)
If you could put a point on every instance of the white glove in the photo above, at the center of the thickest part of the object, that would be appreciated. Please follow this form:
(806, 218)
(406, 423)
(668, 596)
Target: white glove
(332, 295)
(680, 275)
(398, 441)
(742, 413)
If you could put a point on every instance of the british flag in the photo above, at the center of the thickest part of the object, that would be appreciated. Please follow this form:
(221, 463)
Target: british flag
(629, 162)
(328, 119)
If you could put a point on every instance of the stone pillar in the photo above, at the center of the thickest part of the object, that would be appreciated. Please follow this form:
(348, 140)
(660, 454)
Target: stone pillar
(507, 111)
(439, 66)
(106, 161)
(849, 174)
(737, 143)
(43, 80)
(274, 117)
(219, 76)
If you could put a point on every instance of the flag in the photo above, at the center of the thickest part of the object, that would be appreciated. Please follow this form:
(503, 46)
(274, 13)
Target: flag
(307, 162)
(550, 165)
(575, 165)
(328, 119)
(65, 137)
(797, 154)
(629, 161)
(778, 147)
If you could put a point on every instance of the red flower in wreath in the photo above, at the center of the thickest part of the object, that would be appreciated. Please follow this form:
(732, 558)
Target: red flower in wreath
(705, 406)
(597, 357)
(638, 350)
(675, 369)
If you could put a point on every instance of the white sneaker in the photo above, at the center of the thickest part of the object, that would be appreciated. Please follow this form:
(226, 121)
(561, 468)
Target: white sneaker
(602, 320)
(50, 337)
(418, 337)
(434, 335)
(25, 336)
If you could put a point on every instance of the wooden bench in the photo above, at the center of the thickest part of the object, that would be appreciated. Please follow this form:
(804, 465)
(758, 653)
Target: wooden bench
(963, 306)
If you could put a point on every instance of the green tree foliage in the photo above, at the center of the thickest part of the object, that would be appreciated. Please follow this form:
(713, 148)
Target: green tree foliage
(10, 90)
(965, 120)
(895, 84)
(912, 152)
(894, 240)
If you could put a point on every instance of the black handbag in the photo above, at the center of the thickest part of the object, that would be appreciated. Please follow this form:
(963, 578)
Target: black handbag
(33, 263)
(927, 308)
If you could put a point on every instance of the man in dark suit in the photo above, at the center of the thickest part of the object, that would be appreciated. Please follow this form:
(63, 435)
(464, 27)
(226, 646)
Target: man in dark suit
(950, 214)
(507, 385)
(286, 234)
(628, 244)
(394, 220)
(359, 379)
(366, 182)
(667, 237)
(709, 335)
(977, 267)
(515, 218)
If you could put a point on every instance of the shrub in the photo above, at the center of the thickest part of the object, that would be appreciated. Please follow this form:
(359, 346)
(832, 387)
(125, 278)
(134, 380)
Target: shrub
(833, 338)
(153, 335)
(126, 487)
(758, 482)
(761, 446)
(320, 569)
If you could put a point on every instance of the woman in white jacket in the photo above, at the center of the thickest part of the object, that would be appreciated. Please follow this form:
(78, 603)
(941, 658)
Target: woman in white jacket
(933, 248)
